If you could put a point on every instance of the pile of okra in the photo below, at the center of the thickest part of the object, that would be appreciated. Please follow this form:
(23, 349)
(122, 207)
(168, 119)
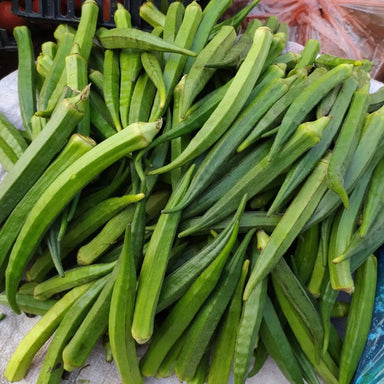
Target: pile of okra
(196, 188)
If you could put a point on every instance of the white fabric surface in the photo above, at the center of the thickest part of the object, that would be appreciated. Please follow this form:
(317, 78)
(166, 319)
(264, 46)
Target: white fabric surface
(13, 328)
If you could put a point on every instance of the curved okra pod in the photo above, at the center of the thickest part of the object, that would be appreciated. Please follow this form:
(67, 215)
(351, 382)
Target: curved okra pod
(121, 314)
(39, 334)
(65, 187)
(205, 323)
(73, 278)
(29, 304)
(185, 310)
(74, 149)
(26, 76)
(117, 38)
(52, 368)
(259, 176)
(301, 170)
(231, 104)
(347, 142)
(359, 319)
(154, 266)
(290, 225)
(225, 340)
(377, 100)
(39, 153)
(306, 101)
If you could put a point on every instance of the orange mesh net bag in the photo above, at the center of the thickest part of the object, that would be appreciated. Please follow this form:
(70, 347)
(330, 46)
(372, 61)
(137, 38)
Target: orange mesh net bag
(346, 28)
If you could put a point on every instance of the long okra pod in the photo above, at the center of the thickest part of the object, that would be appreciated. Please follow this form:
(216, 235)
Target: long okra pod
(306, 101)
(230, 105)
(249, 325)
(116, 38)
(347, 141)
(130, 66)
(175, 63)
(154, 266)
(39, 334)
(121, 314)
(66, 186)
(307, 135)
(301, 170)
(204, 325)
(52, 368)
(225, 340)
(185, 310)
(277, 344)
(26, 75)
(173, 20)
(80, 230)
(88, 333)
(290, 224)
(374, 200)
(111, 85)
(177, 282)
(227, 145)
(39, 154)
(359, 319)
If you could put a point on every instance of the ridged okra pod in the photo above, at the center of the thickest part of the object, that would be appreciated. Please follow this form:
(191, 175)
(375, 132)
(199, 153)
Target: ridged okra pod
(65, 187)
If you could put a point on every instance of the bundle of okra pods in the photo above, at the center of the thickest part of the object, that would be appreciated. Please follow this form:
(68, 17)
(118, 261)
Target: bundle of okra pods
(196, 188)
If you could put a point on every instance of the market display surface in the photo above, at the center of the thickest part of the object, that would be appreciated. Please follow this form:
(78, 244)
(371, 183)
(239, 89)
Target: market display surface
(198, 197)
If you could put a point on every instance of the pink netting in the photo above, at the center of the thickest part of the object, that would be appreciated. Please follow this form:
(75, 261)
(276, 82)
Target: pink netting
(347, 28)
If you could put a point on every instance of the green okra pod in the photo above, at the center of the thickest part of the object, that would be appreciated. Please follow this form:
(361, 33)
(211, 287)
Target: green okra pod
(232, 102)
(151, 14)
(52, 368)
(185, 310)
(39, 153)
(260, 175)
(307, 100)
(359, 319)
(39, 334)
(301, 170)
(290, 225)
(26, 75)
(116, 38)
(347, 141)
(73, 278)
(121, 315)
(154, 266)
(65, 187)
(204, 325)
(225, 340)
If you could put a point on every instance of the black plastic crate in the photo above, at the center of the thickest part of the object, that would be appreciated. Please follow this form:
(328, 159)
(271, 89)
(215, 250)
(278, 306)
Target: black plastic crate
(55, 11)
(7, 43)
